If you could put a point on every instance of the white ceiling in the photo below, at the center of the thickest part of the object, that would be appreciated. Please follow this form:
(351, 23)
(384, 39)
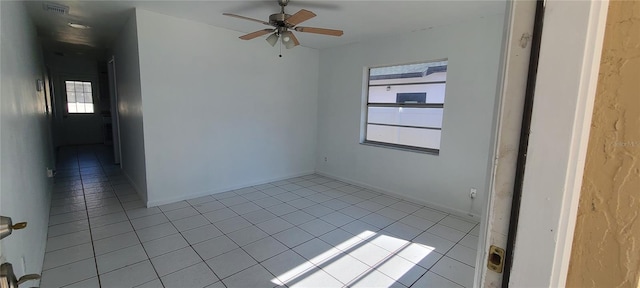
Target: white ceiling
(358, 19)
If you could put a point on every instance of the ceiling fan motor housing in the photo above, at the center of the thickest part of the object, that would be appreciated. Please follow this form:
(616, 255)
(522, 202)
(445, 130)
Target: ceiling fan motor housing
(277, 20)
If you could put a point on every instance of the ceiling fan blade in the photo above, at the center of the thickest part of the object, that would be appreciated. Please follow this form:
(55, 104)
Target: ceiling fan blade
(256, 34)
(246, 18)
(299, 17)
(323, 31)
(294, 39)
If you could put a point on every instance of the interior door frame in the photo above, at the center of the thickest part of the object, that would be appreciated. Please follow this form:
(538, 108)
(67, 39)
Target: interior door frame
(115, 120)
(573, 35)
(516, 49)
(564, 94)
(51, 112)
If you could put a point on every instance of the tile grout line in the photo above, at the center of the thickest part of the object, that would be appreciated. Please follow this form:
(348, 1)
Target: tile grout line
(307, 197)
(135, 233)
(95, 260)
(90, 234)
(252, 225)
(88, 218)
(294, 225)
(371, 268)
(189, 245)
(445, 255)
(435, 223)
(257, 227)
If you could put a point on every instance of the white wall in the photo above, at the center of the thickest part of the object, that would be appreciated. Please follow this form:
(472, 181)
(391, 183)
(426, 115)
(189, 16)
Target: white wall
(129, 106)
(24, 141)
(473, 50)
(220, 112)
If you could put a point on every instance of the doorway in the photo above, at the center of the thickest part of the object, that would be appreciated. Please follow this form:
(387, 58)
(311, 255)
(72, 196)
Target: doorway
(78, 110)
(113, 96)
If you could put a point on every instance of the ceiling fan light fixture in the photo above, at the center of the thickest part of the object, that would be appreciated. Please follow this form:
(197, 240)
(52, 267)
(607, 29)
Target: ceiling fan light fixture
(286, 40)
(286, 36)
(289, 45)
(273, 39)
(78, 26)
(283, 24)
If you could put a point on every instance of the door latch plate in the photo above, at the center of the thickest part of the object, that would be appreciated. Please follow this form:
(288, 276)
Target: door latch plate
(495, 261)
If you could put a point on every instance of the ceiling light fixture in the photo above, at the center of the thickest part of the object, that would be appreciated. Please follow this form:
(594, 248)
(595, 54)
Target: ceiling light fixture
(287, 40)
(78, 26)
(283, 25)
(273, 39)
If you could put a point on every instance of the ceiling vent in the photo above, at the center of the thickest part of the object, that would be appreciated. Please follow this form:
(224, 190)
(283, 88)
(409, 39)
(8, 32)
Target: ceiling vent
(56, 8)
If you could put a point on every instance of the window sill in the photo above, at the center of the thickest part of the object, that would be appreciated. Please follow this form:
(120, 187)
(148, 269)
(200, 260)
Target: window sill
(429, 151)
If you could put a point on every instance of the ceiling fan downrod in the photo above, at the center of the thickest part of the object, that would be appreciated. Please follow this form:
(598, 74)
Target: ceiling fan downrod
(283, 3)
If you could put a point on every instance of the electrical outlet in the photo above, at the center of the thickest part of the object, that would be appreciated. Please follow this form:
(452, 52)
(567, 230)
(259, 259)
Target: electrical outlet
(473, 192)
(325, 159)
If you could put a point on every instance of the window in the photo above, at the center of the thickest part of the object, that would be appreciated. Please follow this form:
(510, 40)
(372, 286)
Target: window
(405, 105)
(79, 97)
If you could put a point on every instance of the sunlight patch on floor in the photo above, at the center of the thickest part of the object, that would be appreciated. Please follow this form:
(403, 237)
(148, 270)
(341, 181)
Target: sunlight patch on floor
(339, 258)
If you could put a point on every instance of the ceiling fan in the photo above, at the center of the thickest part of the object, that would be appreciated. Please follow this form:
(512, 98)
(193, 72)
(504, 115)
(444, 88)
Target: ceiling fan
(284, 24)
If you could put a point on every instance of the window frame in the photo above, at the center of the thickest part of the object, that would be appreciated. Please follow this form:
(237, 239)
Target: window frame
(66, 97)
(366, 105)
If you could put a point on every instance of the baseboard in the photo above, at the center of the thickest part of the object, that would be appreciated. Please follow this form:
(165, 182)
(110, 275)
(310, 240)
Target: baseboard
(221, 190)
(143, 196)
(456, 212)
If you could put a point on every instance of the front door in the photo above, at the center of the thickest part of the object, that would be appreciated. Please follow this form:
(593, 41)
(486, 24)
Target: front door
(79, 120)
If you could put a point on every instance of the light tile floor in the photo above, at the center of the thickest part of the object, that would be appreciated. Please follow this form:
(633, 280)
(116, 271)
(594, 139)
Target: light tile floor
(309, 231)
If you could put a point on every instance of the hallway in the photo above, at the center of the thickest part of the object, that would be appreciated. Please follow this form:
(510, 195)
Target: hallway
(309, 231)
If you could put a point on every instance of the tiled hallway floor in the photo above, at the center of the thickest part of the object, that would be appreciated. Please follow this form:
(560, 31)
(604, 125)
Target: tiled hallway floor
(310, 231)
